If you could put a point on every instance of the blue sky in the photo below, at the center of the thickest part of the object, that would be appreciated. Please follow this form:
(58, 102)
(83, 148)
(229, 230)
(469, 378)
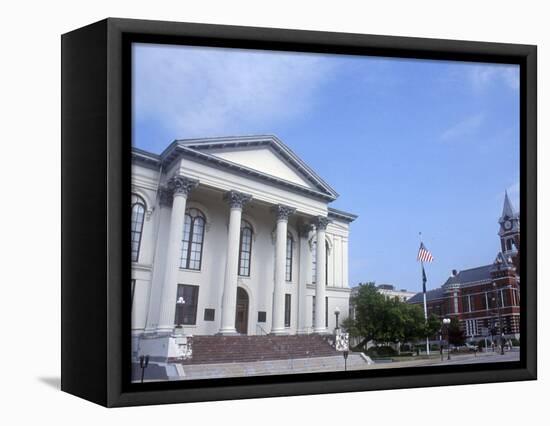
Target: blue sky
(410, 145)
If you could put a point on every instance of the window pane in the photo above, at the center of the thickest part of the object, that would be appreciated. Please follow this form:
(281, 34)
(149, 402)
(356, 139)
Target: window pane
(287, 310)
(289, 243)
(193, 236)
(186, 313)
(136, 225)
(245, 249)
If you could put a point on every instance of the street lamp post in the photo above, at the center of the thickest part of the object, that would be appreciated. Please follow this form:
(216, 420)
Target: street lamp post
(143, 364)
(446, 322)
(337, 314)
(441, 342)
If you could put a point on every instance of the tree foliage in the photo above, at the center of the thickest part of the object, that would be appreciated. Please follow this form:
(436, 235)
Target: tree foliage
(387, 320)
(456, 334)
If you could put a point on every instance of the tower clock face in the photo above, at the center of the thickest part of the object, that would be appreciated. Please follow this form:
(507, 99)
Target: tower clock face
(508, 225)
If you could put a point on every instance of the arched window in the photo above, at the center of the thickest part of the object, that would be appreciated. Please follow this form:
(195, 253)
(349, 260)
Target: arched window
(314, 262)
(289, 247)
(193, 237)
(245, 250)
(138, 213)
(509, 244)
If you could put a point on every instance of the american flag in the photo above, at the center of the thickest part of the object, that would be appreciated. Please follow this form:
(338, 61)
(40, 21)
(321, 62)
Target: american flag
(424, 254)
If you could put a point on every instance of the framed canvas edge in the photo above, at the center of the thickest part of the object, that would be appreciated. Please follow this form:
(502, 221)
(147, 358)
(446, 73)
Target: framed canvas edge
(415, 47)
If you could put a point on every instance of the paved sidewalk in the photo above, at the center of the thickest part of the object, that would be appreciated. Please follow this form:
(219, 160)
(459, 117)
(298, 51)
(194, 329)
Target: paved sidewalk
(479, 358)
(319, 364)
(264, 368)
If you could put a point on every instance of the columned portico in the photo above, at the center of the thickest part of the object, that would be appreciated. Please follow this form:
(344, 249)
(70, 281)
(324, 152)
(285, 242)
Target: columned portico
(282, 213)
(249, 203)
(179, 187)
(236, 202)
(320, 224)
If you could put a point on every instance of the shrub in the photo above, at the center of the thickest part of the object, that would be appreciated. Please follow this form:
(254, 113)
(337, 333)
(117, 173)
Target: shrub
(515, 342)
(381, 351)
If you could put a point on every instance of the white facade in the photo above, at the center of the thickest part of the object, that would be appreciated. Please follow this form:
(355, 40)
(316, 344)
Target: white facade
(391, 292)
(226, 181)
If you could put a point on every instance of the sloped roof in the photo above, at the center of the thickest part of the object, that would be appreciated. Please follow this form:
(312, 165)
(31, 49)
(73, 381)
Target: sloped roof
(437, 293)
(466, 276)
(341, 215)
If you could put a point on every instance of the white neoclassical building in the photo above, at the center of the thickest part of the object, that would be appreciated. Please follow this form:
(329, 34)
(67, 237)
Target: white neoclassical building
(224, 241)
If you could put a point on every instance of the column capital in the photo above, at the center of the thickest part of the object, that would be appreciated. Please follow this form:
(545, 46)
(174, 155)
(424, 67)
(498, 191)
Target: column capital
(282, 212)
(304, 229)
(181, 185)
(321, 222)
(236, 199)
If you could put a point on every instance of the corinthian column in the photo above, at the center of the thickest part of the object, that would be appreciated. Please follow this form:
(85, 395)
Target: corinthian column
(320, 223)
(179, 187)
(304, 315)
(278, 318)
(236, 202)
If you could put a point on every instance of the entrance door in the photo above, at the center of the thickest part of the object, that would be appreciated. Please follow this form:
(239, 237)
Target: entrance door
(241, 315)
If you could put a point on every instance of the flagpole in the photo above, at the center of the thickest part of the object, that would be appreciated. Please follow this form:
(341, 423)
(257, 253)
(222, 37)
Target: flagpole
(424, 295)
(425, 307)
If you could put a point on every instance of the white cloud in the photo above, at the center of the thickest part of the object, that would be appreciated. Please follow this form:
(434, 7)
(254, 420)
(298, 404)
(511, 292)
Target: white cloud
(196, 92)
(463, 128)
(484, 75)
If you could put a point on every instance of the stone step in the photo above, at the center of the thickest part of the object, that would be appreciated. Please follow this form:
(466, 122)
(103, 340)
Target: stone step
(235, 349)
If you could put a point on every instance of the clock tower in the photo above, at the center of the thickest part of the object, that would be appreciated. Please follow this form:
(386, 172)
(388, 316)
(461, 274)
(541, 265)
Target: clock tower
(509, 230)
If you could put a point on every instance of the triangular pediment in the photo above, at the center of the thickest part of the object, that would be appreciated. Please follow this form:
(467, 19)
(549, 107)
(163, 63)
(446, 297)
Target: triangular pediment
(264, 160)
(261, 156)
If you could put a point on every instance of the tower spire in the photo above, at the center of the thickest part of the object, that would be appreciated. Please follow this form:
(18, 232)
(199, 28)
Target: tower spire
(507, 209)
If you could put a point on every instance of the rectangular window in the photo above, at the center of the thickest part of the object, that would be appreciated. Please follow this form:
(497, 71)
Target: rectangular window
(209, 314)
(313, 311)
(262, 316)
(186, 304)
(289, 248)
(326, 311)
(471, 328)
(465, 305)
(287, 310)
(245, 251)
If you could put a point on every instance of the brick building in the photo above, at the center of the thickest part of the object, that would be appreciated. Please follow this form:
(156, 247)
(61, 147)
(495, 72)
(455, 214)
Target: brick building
(485, 299)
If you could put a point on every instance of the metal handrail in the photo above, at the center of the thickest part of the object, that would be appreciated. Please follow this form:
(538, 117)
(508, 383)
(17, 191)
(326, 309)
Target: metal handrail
(262, 330)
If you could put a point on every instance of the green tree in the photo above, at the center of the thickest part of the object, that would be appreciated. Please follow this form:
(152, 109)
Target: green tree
(456, 334)
(433, 326)
(369, 306)
(385, 320)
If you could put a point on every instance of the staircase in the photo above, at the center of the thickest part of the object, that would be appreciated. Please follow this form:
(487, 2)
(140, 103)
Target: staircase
(239, 349)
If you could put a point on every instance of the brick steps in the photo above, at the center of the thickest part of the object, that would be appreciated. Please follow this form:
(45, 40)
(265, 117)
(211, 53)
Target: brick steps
(228, 349)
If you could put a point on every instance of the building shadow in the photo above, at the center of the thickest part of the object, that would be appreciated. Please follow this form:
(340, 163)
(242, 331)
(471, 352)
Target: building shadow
(54, 382)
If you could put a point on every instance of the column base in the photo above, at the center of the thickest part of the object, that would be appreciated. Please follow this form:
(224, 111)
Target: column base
(280, 332)
(165, 329)
(321, 330)
(228, 332)
(164, 347)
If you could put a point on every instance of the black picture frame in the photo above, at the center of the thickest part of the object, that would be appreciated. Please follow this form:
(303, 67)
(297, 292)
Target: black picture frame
(96, 131)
